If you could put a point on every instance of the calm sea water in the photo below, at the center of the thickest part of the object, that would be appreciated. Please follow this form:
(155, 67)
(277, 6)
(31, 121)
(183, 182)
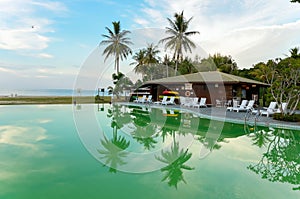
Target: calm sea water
(44, 155)
(48, 92)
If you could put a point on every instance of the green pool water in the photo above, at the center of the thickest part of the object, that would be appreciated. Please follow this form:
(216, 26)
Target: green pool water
(120, 151)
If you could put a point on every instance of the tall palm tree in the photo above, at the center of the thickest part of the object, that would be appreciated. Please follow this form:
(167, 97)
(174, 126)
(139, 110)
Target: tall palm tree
(151, 60)
(117, 44)
(139, 62)
(146, 60)
(178, 39)
(295, 53)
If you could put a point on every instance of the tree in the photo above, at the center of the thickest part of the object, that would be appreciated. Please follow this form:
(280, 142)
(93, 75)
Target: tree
(206, 64)
(178, 39)
(151, 60)
(294, 1)
(295, 53)
(139, 62)
(284, 79)
(186, 67)
(121, 83)
(225, 63)
(147, 63)
(117, 44)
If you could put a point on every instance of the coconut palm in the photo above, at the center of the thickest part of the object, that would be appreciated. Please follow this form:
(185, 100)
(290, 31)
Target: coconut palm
(146, 61)
(117, 44)
(139, 62)
(151, 60)
(295, 53)
(178, 39)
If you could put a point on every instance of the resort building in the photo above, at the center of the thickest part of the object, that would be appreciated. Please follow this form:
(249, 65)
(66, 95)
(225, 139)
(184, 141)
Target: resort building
(212, 85)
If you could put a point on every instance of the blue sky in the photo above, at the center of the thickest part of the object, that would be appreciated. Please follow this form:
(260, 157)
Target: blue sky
(65, 33)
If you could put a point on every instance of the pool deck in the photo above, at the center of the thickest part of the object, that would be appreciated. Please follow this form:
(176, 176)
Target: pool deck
(222, 114)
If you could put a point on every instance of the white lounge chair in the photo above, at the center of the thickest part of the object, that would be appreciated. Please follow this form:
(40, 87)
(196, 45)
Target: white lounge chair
(241, 107)
(165, 98)
(218, 103)
(149, 99)
(183, 101)
(235, 104)
(140, 99)
(193, 102)
(270, 110)
(228, 103)
(171, 101)
(248, 107)
(202, 103)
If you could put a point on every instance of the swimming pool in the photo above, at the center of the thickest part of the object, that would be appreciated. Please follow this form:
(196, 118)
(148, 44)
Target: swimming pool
(121, 151)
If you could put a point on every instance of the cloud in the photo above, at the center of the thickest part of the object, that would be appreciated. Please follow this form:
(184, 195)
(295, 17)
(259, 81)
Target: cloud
(26, 137)
(44, 55)
(25, 25)
(249, 30)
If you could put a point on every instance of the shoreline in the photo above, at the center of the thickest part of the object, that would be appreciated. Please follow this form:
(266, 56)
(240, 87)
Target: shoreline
(20, 100)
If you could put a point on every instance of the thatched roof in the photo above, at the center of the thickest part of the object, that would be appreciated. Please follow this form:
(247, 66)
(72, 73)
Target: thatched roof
(206, 77)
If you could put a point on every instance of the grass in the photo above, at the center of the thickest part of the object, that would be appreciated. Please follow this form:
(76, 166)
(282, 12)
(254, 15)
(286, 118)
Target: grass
(50, 100)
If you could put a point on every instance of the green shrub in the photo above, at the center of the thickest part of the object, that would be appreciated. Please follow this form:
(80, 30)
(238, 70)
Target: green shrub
(97, 98)
(288, 118)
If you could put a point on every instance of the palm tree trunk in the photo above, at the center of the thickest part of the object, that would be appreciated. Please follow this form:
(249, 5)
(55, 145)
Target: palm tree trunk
(176, 63)
(117, 64)
(167, 70)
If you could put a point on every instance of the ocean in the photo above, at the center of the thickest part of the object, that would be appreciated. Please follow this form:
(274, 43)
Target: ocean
(48, 92)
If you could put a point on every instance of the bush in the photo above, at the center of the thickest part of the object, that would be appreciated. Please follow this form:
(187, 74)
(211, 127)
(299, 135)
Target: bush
(288, 118)
(97, 98)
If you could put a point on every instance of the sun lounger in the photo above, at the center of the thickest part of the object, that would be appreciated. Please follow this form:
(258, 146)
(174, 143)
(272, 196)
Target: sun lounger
(248, 107)
(202, 103)
(168, 102)
(241, 107)
(163, 100)
(140, 100)
(270, 110)
(149, 99)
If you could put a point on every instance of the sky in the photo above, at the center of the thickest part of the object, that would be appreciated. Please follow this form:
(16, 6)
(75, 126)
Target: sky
(47, 44)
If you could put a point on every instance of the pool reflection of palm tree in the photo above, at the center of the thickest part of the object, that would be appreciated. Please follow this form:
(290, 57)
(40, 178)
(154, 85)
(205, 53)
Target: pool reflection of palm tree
(114, 152)
(176, 160)
(114, 148)
(280, 163)
(146, 135)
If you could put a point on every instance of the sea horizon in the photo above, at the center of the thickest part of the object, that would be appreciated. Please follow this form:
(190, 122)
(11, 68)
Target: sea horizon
(48, 92)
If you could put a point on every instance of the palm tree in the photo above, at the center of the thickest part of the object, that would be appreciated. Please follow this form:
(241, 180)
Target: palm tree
(117, 44)
(146, 60)
(151, 59)
(178, 39)
(139, 61)
(295, 53)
